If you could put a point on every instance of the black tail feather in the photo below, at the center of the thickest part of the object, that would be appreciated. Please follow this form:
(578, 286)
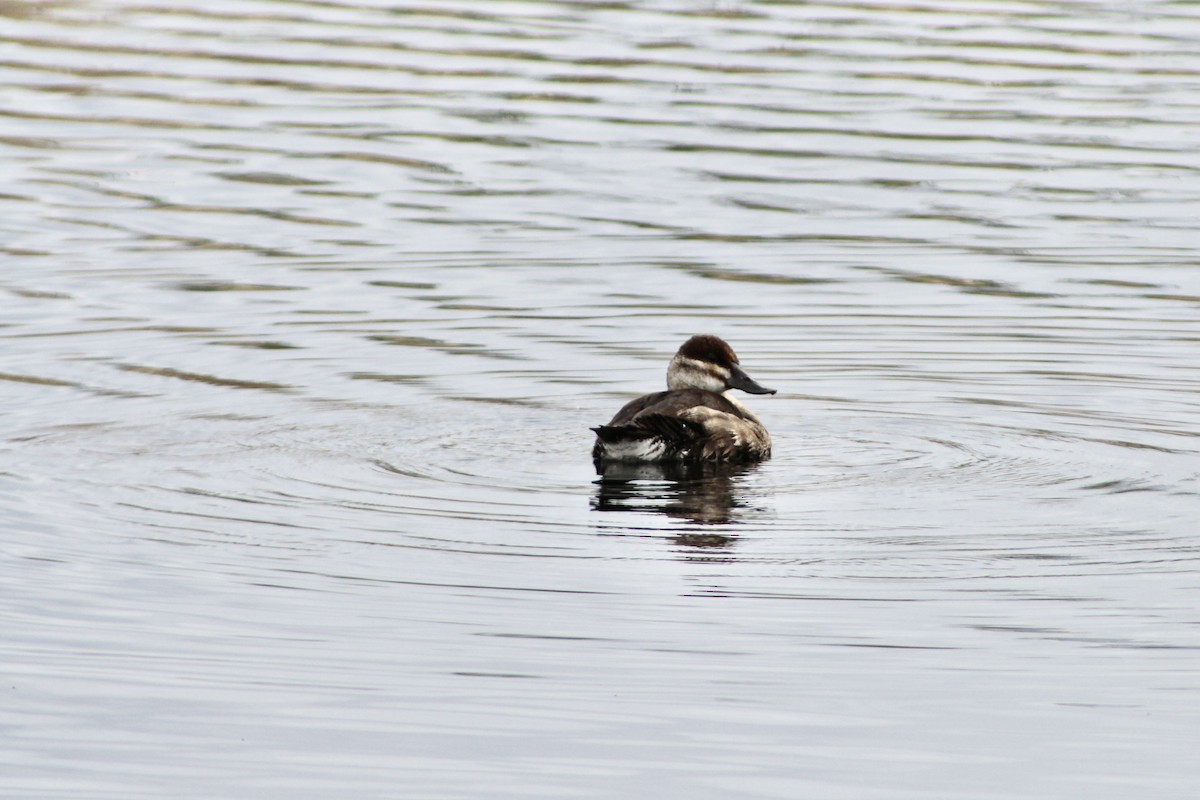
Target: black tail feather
(677, 433)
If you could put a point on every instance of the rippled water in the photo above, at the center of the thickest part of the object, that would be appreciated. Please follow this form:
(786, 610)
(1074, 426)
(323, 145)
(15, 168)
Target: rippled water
(308, 306)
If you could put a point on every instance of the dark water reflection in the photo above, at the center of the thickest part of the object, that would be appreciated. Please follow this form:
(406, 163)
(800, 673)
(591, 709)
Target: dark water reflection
(306, 310)
(709, 493)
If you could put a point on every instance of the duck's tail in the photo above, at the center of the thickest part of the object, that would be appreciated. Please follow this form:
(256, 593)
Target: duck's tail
(651, 437)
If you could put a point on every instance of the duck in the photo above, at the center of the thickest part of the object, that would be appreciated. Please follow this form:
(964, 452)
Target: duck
(695, 419)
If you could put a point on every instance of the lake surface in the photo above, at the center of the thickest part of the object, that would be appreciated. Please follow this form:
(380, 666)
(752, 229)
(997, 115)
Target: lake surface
(306, 309)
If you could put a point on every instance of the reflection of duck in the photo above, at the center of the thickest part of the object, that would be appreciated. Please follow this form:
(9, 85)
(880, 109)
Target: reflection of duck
(700, 491)
(694, 420)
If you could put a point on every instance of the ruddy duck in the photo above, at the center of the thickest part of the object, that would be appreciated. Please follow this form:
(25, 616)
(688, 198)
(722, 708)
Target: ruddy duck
(694, 420)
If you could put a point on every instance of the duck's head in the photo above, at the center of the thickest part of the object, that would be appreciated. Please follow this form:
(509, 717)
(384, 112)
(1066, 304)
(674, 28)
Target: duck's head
(707, 362)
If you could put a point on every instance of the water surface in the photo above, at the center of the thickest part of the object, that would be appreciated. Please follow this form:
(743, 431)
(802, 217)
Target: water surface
(307, 308)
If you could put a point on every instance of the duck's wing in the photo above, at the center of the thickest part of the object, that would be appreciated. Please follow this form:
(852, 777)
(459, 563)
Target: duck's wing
(673, 403)
(729, 437)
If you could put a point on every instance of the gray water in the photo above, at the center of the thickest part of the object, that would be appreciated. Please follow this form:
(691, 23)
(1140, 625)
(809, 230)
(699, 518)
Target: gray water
(307, 308)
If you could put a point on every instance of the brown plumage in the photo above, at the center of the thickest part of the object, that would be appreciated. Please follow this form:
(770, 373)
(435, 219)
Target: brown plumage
(693, 419)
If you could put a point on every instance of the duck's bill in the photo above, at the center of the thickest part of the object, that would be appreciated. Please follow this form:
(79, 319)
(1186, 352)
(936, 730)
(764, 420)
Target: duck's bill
(740, 380)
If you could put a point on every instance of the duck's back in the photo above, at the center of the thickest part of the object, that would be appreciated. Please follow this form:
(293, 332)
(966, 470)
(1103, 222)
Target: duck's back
(673, 403)
(682, 424)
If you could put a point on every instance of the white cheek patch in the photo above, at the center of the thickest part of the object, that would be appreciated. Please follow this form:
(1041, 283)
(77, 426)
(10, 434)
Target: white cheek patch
(699, 375)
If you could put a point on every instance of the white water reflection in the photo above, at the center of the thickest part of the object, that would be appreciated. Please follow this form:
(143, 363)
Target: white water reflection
(307, 309)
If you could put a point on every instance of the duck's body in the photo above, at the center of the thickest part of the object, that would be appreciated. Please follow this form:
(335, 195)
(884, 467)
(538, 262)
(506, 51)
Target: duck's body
(694, 419)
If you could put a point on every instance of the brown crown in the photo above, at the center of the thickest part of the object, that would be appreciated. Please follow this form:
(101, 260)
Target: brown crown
(709, 348)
